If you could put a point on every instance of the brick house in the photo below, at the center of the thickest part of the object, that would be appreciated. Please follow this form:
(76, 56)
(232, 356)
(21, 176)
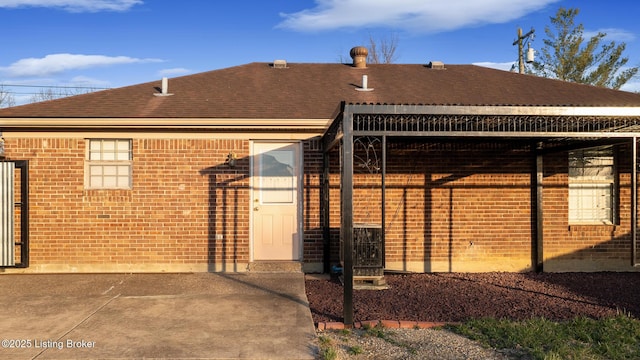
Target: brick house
(443, 167)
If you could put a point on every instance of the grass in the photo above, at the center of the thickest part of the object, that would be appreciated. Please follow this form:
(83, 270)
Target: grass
(375, 331)
(581, 338)
(355, 350)
(327, 351)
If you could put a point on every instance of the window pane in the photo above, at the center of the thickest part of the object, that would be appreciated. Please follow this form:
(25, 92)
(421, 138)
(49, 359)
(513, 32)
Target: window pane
(109, 182)
(599, 168)
(110, 170)
(123, 150)
(103, 170)
(110, 150)
(123, 181)
(123, 170)
(108, 145)
(95, 170)
(276, 171)
(591, 164)
(96, 181)
(122, 156)
(95, 150)
(590, 203)
(591, 182)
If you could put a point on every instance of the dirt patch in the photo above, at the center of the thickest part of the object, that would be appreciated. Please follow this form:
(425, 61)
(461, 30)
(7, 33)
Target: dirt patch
(454, 297)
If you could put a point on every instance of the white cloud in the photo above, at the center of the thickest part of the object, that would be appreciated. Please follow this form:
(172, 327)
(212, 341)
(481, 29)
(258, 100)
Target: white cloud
(74, 5)
(85, 81)
(174, 71)
(57, 63)
(613, 34)
(412, 15)
(631, 86)
(507, 66)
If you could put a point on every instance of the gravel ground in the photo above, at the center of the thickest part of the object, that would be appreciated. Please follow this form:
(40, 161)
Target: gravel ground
(456, 297)
(408, 344)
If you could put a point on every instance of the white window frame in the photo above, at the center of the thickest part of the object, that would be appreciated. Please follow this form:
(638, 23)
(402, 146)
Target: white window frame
(108, 164)
(592, 186)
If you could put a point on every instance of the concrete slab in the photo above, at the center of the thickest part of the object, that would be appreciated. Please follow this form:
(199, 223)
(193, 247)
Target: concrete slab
(127, 316)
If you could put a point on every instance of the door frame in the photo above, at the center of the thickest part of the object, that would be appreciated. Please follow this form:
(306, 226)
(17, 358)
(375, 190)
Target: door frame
(299, 202)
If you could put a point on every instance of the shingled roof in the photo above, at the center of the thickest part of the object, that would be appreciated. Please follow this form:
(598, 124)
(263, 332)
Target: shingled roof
(315, 91)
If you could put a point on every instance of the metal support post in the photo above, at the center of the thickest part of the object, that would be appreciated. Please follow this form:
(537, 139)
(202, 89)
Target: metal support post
(634, 202)
(346, 231)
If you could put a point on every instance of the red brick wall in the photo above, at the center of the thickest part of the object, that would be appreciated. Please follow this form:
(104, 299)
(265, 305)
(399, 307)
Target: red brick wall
(449, 207)
(185, 207)
(466, 207)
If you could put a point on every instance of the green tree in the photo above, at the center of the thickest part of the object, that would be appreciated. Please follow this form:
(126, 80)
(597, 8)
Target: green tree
(568, 56)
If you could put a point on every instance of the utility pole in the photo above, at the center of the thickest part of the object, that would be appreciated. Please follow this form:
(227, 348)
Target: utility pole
(520, 42)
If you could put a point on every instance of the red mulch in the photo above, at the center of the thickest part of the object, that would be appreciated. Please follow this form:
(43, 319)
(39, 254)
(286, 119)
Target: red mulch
(454, 297)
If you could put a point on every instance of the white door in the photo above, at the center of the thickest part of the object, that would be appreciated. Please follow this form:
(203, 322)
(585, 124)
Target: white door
(275, 177)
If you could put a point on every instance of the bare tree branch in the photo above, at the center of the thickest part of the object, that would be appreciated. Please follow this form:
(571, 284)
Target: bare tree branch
(6, 98)
(51, 94)
(384, 51)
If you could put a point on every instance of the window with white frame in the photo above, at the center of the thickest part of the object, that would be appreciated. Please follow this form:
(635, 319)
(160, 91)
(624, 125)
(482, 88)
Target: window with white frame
(108, 164)
(592, 186)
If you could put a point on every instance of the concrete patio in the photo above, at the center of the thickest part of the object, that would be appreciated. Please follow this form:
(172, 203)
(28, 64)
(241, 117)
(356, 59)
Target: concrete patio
(127, 316)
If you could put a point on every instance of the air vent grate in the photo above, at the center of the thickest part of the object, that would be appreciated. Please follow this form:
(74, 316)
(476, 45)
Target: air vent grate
(437, 65)
(279, 64)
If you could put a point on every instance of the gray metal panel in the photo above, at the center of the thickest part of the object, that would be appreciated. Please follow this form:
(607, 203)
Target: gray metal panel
(494, 125)
(496, 110)
(7, 241)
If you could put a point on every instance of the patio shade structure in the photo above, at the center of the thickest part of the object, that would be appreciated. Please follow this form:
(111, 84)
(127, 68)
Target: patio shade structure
(547, 128)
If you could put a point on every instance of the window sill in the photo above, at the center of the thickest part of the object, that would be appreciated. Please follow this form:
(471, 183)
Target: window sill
(598, 226)
(100, 195)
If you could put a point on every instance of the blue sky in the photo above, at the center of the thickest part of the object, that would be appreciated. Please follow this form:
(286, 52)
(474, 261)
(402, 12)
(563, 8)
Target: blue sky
(114, 43)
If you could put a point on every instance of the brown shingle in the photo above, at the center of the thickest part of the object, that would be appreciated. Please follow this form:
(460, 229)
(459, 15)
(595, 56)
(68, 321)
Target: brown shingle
(315, 91)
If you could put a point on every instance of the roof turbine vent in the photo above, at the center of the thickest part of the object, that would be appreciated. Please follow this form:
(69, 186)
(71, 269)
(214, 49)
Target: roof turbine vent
(359, 55)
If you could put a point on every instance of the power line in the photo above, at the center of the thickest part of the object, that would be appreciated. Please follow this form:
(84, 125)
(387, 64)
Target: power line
(39, 93)
(54, 86)
(61, 90)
